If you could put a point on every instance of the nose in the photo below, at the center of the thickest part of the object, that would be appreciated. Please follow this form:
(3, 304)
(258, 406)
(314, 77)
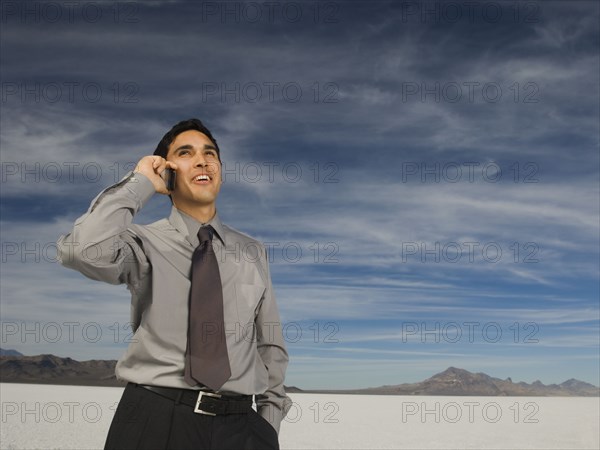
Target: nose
(200, 161)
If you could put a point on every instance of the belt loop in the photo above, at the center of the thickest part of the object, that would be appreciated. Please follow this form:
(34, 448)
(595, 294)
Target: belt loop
(178, 399)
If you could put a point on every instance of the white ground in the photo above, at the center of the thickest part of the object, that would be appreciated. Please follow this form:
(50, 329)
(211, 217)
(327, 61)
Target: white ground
(73, 417)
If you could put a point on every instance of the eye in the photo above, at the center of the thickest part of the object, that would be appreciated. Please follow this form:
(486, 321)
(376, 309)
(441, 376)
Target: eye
(181, 152)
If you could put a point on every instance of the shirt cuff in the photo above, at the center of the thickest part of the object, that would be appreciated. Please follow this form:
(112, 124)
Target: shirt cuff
(140, 186)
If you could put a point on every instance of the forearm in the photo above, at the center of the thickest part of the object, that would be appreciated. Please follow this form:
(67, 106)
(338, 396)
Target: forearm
(273, 404)
(98, 245)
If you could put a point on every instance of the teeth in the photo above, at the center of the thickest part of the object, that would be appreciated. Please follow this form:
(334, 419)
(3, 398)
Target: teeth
(201, 177)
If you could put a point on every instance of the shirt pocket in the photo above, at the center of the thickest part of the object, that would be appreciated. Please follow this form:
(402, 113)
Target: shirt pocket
(247, 298)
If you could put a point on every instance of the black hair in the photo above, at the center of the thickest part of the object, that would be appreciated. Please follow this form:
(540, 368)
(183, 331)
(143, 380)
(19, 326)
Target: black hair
(191, 124)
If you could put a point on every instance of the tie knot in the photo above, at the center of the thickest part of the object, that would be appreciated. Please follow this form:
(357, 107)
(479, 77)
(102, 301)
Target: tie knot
(205, 233)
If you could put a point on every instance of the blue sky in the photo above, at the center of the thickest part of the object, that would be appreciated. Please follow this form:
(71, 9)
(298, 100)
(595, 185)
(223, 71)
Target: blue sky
(426, 175)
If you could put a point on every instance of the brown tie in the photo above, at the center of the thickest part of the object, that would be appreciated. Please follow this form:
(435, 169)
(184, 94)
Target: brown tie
(206, 358)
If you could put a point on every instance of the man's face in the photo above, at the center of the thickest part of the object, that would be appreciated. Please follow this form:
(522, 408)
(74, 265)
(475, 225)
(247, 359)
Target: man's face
(198, 179)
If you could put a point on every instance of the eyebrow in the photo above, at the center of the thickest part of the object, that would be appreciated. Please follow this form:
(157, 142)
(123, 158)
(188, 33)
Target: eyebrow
(191, 147)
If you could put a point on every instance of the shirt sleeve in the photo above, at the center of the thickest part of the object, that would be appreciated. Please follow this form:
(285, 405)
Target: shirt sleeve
(274, 404)
(101, 246)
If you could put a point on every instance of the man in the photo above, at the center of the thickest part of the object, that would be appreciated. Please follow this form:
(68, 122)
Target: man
(207, 329)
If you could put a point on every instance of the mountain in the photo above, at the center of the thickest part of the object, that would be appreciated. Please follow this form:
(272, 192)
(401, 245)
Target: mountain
(51, 369)
(455, 381)
(292, 389)
(8, 352)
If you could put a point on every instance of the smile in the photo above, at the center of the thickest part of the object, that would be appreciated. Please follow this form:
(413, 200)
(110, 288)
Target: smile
(201, 179)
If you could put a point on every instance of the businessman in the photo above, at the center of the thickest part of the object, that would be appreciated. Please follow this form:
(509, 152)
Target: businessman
(208, 341)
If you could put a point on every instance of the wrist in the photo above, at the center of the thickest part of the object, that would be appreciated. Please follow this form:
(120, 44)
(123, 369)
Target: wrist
(140, 186)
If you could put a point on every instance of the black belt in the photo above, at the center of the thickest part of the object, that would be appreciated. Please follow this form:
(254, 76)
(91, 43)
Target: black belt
(205, 402)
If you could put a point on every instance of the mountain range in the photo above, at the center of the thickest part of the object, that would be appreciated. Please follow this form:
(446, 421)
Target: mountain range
(454, 381)
(51, 369)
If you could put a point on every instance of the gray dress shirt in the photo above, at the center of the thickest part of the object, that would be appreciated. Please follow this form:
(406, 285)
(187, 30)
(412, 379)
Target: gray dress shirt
(154, 261)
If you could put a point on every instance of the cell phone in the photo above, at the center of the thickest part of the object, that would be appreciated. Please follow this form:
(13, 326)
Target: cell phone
(169, 177)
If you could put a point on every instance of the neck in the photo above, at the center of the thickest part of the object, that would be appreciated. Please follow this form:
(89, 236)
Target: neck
(202, 213)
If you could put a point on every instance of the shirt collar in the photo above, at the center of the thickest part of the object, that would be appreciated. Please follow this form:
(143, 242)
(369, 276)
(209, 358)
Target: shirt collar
(189, 227)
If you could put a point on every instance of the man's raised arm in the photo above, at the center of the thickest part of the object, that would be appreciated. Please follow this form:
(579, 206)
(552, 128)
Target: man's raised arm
(100, 246)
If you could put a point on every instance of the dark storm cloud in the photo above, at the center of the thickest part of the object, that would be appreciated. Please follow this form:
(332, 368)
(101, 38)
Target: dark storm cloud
(393, 100)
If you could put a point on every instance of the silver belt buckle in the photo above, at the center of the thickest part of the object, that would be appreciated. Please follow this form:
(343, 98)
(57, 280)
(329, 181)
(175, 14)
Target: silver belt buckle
(199, 400)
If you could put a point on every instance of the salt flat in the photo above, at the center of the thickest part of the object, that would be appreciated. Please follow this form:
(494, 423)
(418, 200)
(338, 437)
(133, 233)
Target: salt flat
(78, 417)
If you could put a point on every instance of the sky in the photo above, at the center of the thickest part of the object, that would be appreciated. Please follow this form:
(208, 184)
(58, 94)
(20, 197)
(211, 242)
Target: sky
(424, 175)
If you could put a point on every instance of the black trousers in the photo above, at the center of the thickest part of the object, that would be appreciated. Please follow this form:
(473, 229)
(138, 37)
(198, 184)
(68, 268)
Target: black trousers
(146, 420)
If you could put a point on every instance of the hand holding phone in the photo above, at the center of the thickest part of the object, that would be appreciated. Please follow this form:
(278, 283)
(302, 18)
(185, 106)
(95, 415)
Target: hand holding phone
(159, 171)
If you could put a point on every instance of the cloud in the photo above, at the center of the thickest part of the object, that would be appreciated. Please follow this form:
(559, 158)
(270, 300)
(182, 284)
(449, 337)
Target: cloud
(383, 96)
